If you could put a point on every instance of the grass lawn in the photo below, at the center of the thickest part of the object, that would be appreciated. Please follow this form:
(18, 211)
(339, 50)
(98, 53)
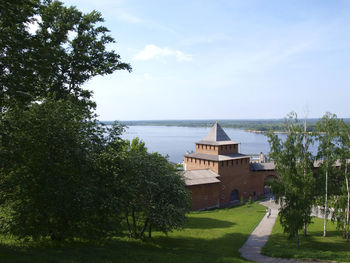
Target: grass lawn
(210, 236)
(332, 247)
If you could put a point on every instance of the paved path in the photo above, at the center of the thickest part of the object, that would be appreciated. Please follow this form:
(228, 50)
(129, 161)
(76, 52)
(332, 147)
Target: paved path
(251, 250)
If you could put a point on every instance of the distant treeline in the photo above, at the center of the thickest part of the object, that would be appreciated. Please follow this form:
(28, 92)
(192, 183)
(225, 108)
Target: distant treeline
(252, 125)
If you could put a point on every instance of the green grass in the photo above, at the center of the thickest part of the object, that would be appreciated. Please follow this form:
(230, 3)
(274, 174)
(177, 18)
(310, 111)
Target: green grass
(315, 246)
(210, 236)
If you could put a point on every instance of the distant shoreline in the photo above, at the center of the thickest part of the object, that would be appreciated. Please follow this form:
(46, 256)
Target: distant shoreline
(264, 132)
(277, 126)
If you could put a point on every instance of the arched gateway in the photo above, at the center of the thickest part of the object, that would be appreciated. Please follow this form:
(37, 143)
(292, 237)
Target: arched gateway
(267, 184)
(234, 195)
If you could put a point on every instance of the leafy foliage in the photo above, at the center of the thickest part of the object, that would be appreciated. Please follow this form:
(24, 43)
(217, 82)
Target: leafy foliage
(67, 49)
(295, 187)
(327, 135)
(52, 179)
(48, 184)
(155, 194)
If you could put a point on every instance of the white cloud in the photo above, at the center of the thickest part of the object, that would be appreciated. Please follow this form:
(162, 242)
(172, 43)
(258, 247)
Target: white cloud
(154, 52)
(33, 25)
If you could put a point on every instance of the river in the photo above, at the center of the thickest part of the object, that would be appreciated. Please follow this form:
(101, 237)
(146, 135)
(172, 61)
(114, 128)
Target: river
(176, 141)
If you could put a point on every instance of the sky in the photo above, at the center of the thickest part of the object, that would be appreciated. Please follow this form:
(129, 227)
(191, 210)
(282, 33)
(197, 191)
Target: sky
(241, 59)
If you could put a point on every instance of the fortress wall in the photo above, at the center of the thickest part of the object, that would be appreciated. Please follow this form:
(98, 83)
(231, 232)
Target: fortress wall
(204, 196)
(198, 164)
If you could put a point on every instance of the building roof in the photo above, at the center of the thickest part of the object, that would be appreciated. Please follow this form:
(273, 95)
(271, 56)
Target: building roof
(271, 165)
(262, 166)
(214, 157)
(216, 136)
(216, 143)
(337, 163)
(196, 177)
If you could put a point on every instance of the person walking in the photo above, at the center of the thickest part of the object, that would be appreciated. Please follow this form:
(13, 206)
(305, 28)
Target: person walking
(268, 212)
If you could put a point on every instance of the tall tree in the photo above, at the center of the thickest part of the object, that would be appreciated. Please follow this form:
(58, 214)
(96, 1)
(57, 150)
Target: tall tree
(155, 195)
(344, 157)
(327, 130)
(48, 183)
(51, 145)
(67, 49)
(294, 166)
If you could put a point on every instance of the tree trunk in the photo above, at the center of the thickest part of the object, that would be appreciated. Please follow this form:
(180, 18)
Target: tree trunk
(127, 222)
(344, 229)
(297, 239)
(325, 206)
(348, 201)
(304, 165)
(134, 222)
(144, 227)
(150, 230)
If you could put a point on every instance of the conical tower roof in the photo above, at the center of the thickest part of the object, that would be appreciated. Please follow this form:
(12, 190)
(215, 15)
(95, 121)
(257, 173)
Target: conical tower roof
(216, 136)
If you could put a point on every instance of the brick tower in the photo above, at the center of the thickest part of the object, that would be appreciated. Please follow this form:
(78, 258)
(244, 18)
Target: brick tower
(217, 174)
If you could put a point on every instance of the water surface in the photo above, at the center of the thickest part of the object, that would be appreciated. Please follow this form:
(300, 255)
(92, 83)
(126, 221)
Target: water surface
(176, 141)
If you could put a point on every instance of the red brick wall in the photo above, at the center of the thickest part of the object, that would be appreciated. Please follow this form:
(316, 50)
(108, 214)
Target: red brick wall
(207, 149)
(228, 149)
(204, 196)
(233, 175)
(217, 149)
(198, 164)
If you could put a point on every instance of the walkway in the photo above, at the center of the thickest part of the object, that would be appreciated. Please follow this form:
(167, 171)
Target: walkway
(251, 250)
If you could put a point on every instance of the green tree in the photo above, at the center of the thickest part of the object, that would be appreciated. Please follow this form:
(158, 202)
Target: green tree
(343, 199)
(155, 195)
(48, 183)
(52, 149)
(294, 188)
(327, 132)
(67, 49)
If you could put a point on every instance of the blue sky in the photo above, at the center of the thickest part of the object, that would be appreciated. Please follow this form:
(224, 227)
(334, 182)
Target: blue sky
(225, 59)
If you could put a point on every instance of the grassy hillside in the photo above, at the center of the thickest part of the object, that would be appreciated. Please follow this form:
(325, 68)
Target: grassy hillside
(332, 247)
(211, 236)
